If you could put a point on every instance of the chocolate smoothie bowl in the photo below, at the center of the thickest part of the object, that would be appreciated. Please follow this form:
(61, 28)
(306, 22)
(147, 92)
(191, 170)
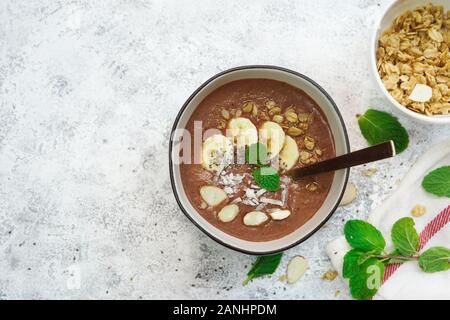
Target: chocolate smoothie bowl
(232, 147)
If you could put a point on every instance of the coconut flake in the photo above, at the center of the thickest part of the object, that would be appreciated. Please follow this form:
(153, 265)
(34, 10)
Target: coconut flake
(271, 201)
(250, 202)
(250, 193)
(260, 192)
(421, 93)
(237, 200)
(228, 190)
(284, 196)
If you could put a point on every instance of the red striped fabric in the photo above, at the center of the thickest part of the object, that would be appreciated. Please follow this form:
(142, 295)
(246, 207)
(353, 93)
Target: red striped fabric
(430, 230)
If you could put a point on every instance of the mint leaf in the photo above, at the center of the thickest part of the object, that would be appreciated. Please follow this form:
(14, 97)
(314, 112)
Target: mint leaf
(256, 154)
(363, 236)
(377, 126)
(267, 178)
(435, 259)
(365, 284)
(351, 266)
(437, 182)
(404, 237)
(263, 265)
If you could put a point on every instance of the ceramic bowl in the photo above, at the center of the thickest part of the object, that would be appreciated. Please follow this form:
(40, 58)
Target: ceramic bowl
(341, 143)
(388, 16)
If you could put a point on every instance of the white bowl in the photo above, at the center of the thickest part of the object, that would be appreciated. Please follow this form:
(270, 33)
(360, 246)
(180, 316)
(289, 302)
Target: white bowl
(341, 142)
(397, 8)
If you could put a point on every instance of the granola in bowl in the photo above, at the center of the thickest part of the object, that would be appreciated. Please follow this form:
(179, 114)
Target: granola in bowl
(413, 60)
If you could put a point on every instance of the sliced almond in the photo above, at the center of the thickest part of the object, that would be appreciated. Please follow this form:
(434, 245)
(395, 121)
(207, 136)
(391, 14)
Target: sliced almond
(296, 268)
(212, 195)
(421, 93)
(349, 194)
(255, 218)
(280, 214)
(228, 213)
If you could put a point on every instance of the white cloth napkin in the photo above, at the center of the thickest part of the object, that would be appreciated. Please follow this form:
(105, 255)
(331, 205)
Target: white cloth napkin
(409, 282)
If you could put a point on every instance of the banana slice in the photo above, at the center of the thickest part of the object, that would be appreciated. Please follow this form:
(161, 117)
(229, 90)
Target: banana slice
(228, 213)
(212, 195)
(217, 152)
(273, 136)
(242, 132)
(289, 154)
(255, 218)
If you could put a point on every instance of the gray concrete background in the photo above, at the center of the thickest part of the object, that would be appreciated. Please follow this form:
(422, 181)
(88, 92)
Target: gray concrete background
(88, 93)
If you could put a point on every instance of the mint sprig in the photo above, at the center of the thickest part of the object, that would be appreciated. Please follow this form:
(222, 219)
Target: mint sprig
(267, 178)
(364, 264)
(437, 182)
(264, 265)
(378, 126)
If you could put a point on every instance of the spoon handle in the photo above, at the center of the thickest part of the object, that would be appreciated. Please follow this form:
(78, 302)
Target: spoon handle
(377, 152)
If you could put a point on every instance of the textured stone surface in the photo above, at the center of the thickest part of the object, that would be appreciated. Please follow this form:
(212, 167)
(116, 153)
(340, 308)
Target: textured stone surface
(88, 93)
